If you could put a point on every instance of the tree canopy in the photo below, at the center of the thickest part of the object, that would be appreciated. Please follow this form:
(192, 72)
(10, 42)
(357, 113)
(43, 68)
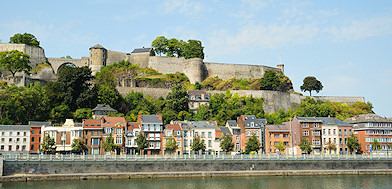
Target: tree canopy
(14, 61)
(48, 145)
(178, 48)
(26, 38)
(270, 81)
(78, 146)
(353, 144)
(311, 84)
(109, 145)
(170, 145)
(198, 144)
(226, 143)
(304, 145)
(252, 144)
(141, 142)
(280, 146)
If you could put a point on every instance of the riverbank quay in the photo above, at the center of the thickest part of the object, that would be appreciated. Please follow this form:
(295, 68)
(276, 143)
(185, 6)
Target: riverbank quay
(48, 165)
(152, 175)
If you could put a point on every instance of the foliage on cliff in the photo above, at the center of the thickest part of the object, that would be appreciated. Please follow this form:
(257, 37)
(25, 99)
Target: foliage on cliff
(272, 80)
(144, 77)
(317, 108)
(26, 38)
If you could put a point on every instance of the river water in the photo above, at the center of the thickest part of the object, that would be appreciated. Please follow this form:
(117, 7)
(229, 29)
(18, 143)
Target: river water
(276, 182)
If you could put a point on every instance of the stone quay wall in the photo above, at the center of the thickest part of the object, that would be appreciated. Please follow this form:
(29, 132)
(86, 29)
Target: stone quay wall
(78, 167)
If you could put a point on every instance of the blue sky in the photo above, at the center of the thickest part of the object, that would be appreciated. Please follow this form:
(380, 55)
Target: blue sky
(344, 44)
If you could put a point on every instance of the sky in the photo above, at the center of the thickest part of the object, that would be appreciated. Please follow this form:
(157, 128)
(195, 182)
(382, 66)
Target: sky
(344, 44)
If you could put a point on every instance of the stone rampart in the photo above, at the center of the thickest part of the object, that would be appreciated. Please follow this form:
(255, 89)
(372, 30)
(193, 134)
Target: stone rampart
(227, 71)
(115, 57)
(166, 65)
(75, 167)
(37, 54)
(273, 100)
(59, 62)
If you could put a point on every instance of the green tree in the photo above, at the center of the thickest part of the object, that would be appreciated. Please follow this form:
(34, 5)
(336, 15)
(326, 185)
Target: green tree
(330, 146)
(160, 45)
(178, 99)
(48, 145)
(141, 142)
(60, 113)
(108, 145)
(83, 113)
(311, 84)
(170, 145)
(14, 61)
(75, 85)
(26, 38)
(198, 145)
(376, 145)
(193, 49)
(198, 86)
(184, 115)
(78, 146)
(252, 144)
(270, 80)
(353, 144)
(280, 146)
(202, 113)
(109, 95)
(304, 145)
(172, 47)
(226, 143)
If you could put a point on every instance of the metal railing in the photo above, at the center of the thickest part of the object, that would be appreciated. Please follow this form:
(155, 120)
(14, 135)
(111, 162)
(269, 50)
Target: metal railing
(243, 157)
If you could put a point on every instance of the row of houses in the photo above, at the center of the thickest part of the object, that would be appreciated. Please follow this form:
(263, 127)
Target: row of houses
(321, 132)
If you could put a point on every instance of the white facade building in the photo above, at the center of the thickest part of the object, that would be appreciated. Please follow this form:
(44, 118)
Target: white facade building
(14, 139)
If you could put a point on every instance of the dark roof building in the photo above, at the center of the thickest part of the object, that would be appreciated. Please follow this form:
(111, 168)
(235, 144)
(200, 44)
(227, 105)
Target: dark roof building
(102, 110)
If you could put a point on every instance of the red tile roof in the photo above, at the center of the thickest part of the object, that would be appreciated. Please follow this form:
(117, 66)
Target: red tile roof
(112, 121)
(88, 122)
(133, 125)
(175, 127)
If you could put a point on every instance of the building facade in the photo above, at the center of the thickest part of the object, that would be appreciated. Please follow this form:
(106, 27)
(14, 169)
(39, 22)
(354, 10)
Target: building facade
(274, 134)
(152, 128)
(197, 98)
(92, 136)
(15, 139)
(173, 131)
(250, 125)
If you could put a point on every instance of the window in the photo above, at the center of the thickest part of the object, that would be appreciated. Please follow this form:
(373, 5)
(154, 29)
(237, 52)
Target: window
(39, 139)
(334, 131)
(345, 132)
(99, 133)
(323, 131)
(32, 132)
(185, 143)
(305, 125)
(10, 140)
(24, 133)
(285, 135)
(286, 143)
(349, 132)
(316, 133)
(237, 138)
(340, 141)
(157, 144)
(179, 144)
(118, 140)
(92, 133)
(10, 133)
(2, 140)
(118, 131)
(334, 140)
(95, 141)
(95, 151)
(209, 134)
(17, 147)
(32, 139)
(151, 135)
(237, 146)
(178, 133)
(32, 147)
(185, 133)
(2, 147)
(329, 131)
(17, 133)
(108, 130)
(276, 135)
(305, 133)
(10, 148)
(157, 136)
(340, 131)
(17, 139)
(169, 133)
(316, 142)
(151, 144)
(316, 125)
(202, 134)
(209, 143)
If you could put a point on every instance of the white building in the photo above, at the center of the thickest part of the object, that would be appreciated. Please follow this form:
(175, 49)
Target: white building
(15, 139)
(64, 135)
(133, 130)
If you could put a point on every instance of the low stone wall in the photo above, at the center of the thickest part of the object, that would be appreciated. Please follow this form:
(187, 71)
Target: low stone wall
(75, 167)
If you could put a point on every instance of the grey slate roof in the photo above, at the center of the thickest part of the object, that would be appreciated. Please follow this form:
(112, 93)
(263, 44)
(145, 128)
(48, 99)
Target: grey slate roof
(104, 107)
(97, 46)
(141, 50)
(39, 123)
(309, 119)
(154, 119)
(257, 123)
(202, 124)
(278, 128)
(225, 131)
(232, 123)
(14, 127)
(334, 121)
(368, 118)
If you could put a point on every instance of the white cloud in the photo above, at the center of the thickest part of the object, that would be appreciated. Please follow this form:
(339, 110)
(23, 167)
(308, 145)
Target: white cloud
(187, 7)
(130, 16)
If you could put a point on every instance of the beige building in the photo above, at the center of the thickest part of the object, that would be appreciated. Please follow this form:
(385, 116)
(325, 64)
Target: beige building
(197, 98)
(64, 135)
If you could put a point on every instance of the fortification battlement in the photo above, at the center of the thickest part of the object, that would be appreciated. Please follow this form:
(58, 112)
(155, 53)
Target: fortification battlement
(195, 68)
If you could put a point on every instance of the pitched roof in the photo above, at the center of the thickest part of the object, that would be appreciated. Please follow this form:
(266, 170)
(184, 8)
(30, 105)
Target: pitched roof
(309, 119)
(14, 127)
(97, 46)
(225, 131)
(197, 93)
(175, 127)
(39, 123)
(151, 119)
(278, 128)
(133, 125)
(104, 107)
(365, 118)
(232, 123)
(141, 50)
(112, 121)
(92, 123)
(252, 120)
(333, 121)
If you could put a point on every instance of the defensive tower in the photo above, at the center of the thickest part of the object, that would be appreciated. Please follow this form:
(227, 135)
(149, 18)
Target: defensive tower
(97, 59)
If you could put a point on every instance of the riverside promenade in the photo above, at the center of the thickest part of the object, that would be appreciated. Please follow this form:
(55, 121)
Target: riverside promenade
(71, 167)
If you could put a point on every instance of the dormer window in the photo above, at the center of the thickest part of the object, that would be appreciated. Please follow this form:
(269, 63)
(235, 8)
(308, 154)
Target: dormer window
(252, 124)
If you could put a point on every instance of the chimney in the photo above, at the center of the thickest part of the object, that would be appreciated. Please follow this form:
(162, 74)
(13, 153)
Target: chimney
(281, 67)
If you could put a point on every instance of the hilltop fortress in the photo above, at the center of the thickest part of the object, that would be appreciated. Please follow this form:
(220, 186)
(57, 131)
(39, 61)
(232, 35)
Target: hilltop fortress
(195, 69)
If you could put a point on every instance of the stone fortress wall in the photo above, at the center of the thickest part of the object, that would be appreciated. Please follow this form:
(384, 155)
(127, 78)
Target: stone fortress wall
(194, 68)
